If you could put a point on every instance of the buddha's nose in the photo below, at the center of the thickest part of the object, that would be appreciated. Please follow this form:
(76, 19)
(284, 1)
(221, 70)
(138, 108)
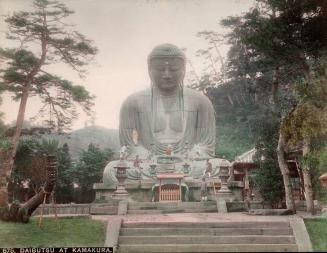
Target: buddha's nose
(167, 73)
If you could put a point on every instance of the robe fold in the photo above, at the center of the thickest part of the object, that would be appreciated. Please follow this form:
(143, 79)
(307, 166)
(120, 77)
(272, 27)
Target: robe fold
(181, 120)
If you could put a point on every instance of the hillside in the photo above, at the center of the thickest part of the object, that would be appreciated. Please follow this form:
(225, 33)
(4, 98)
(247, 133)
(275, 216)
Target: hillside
(79, 140)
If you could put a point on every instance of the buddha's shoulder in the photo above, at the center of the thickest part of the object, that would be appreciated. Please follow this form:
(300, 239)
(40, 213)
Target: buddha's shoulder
(138, 96)
(196, 96)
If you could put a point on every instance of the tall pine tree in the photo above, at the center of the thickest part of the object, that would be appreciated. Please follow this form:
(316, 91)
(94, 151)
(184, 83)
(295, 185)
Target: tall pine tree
(42, 39)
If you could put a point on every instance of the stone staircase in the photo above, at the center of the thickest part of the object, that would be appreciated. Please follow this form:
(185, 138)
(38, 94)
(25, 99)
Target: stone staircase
(204, 237)
(171, 207)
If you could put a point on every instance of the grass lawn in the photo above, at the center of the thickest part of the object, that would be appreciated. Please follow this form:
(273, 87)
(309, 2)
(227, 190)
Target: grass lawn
(317, 229)
(70, 232)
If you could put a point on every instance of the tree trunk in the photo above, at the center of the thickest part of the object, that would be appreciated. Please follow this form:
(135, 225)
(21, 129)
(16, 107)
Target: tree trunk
(22, 213)
(308, 192)
(9, 162)
(230, 99)
(274, 86)
(290, 205)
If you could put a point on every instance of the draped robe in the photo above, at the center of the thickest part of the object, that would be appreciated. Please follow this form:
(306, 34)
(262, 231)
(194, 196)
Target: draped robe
(181, 120)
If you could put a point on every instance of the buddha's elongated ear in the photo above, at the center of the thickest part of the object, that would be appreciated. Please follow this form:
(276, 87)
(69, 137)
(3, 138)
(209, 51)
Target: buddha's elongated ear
(150, 74)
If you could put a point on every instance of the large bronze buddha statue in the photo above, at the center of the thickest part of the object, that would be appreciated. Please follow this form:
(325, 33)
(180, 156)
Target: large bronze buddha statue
(166, 116)
(167, 113)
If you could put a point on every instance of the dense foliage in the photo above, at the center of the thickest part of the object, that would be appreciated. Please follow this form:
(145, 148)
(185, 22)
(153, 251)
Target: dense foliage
(64, 191)
(274, 75)
(29, 169)
(89, 170)
(75, 179)
(267, 178)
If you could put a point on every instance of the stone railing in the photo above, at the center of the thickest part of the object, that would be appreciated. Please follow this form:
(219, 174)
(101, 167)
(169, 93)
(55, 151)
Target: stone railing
(63, 209)
(78, 209)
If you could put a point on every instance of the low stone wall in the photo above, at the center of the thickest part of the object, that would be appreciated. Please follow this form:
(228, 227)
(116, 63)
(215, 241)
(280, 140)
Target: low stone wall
(301, 205)
(63, 209)
(239, 206)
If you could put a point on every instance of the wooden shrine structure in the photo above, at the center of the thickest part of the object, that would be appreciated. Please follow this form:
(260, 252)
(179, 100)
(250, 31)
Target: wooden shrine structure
(170, 189)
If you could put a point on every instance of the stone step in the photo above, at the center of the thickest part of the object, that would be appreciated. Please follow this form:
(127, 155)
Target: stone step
(156, 248)
(158, 211)
(181, 239)
(144, 207)
(155, 211)
(134, 205)
(204, 231)
(206, 210)
(201, 208)
(171, 207)
(227, 224)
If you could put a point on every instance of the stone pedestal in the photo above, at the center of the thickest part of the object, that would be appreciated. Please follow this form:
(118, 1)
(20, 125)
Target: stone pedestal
(120, 193)
(221, 205)
(227, 196)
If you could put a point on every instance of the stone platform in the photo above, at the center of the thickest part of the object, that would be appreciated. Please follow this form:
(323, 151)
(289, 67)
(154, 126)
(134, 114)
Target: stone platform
(142, 190)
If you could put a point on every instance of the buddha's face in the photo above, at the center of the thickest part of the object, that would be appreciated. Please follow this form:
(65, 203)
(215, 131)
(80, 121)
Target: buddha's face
(167, 73)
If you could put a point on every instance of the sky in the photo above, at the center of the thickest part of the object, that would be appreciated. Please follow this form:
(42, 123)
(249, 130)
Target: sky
(125, 31)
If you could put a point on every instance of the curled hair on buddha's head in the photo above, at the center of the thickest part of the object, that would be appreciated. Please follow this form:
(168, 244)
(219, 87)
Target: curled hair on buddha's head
(166, 50)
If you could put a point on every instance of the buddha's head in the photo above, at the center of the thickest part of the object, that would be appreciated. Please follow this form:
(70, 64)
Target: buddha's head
(166, 65)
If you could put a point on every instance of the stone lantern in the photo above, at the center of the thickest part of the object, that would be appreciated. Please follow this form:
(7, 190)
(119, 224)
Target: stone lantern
(323, 180)
(186, 168)
(224, 194)
(121, 175)
(223, 176)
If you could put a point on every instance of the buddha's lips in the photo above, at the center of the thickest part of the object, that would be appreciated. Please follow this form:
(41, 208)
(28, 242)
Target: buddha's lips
(168, 83)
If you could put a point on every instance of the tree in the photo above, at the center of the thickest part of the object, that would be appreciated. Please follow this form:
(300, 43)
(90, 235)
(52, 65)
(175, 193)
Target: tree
(64, 186)
(3, 140)
(35, 169)
(29, 169)
(234, 122)
(231, 97)
(272, 46)
(89, 170)
(268, 179)
(43, 39)
(308, 122)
